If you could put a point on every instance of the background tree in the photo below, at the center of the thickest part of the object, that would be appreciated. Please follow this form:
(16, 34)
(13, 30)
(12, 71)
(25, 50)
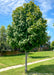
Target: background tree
(48, 41)
(2, 38)
(46, 46)
(52, 44)
(28, 29)
(3, 43)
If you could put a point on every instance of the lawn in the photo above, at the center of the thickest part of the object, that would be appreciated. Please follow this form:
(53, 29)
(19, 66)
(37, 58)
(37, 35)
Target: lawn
(43, 68)
(6, 61)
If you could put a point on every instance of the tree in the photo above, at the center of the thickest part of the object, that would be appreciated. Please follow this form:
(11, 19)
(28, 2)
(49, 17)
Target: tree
(47, 44)
(3, 43)
(52, 44)
(2, 37)
(48, 40)
(28, 29)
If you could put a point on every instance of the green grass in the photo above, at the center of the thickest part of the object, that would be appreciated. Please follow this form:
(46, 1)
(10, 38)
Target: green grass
(6, 61)
(44, 68)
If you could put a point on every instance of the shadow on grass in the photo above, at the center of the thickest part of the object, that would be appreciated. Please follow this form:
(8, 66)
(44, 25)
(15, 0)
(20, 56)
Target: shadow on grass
(42, 69)
(12, 55)
(36, 57)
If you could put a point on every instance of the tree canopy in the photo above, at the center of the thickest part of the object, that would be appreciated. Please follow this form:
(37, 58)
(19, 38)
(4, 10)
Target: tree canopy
(28, 29)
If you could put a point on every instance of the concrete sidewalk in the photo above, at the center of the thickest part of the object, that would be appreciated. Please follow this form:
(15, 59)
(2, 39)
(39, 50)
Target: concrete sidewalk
(17, 66)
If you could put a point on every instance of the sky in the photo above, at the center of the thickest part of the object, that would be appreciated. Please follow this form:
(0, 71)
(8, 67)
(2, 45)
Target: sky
(46, 6)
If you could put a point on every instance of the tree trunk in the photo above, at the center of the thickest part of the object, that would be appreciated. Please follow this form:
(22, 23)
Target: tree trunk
(25, 61)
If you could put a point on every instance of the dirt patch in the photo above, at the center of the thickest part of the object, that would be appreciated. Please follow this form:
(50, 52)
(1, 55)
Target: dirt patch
(1, 64)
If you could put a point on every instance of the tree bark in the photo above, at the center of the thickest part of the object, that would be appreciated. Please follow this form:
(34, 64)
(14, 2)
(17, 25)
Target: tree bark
(25, 61)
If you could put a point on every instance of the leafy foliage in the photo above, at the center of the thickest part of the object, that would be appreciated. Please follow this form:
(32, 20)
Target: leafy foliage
(28, 29)
(52, 44)
(2, 38)
(3, 43)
